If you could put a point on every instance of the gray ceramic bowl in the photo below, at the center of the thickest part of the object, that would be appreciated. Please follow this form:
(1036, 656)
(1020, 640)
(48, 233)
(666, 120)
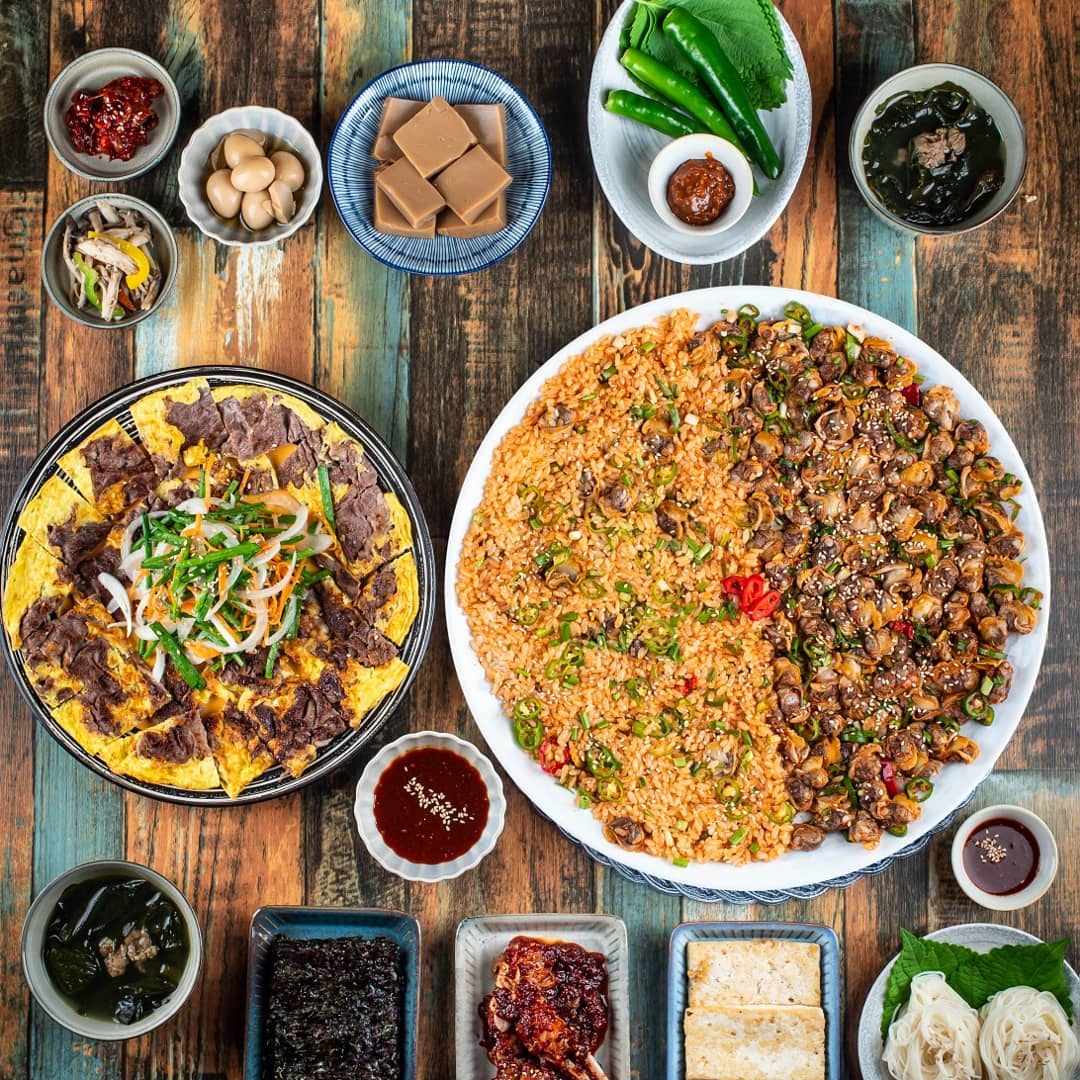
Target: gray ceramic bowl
(54, 1003)
(91, 71)
(55, 274)
(987, 94)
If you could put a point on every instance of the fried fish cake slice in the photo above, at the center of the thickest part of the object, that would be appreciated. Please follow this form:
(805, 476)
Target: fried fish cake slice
(159, 435)
(35, 576)
(110, 469)
(240, 754)
(173, 753)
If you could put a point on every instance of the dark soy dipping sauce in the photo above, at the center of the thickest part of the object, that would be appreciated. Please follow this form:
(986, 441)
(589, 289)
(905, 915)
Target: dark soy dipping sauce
(1001, 856)
(94, 926)
(431, 805)
(944, 178)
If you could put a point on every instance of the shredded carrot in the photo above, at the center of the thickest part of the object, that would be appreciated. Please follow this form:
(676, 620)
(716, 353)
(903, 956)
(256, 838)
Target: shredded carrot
(243, 480)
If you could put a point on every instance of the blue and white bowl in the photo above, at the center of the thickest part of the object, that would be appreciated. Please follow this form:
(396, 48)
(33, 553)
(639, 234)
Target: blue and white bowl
(350, 166)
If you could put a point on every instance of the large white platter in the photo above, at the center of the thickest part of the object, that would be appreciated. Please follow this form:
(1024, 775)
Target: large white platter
(837, 862)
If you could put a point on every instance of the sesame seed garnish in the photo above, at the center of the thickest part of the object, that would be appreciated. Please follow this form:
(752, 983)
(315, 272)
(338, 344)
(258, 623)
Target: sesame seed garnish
(437, 804)
(991, 849)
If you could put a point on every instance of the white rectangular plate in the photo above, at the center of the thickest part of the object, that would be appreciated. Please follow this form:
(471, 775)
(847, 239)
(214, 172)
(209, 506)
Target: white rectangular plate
(481, 941)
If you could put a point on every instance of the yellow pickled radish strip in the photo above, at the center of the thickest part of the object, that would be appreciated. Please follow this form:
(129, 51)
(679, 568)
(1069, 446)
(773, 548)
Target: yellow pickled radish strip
(132, 252)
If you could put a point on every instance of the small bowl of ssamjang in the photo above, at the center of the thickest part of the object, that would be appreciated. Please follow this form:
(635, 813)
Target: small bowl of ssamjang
(112, 114)
(429, 806)
(111, 950)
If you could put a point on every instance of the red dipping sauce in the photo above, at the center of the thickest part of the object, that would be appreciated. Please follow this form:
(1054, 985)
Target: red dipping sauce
(115, 120)
(431, 805)
(1001, 856)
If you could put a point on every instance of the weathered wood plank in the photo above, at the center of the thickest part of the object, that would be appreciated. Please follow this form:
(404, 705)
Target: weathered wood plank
(473, 341)
(20, 331)
(999, 303)
(24, 69)
(252, 306)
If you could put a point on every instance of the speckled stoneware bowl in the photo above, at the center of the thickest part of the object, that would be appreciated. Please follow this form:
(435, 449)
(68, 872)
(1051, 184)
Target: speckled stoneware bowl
(54, 273)
(53, 1002)
(286, 133)
(987, 94)
(364, 808)
(91, 71)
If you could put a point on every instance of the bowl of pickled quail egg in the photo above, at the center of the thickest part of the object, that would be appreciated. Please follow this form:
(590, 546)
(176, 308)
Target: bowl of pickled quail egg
(250, 175)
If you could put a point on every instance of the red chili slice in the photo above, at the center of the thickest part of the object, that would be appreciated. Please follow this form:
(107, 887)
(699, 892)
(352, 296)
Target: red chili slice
(733, 585)
(912, 394)
(753, 591)
(888, 776)
(902, 626)
(768, 603)
(551, 756)
(688, 685)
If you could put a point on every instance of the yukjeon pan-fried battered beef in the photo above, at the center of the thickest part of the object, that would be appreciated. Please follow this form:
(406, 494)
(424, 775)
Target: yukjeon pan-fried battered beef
(548, 1014)
(334, 1010)
(224, 591)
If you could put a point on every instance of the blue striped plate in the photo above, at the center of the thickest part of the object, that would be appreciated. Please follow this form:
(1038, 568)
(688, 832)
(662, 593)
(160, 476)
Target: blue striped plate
(306, 923)
(350, 166)
(821, 936)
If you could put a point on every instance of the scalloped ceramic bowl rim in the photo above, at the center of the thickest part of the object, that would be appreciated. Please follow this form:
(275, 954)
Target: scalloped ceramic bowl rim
(162, 233)
(1048, 858)
(382, 853)
(71, 159)
(687, 148)
(836, 863)
(1002, 107)
(194, 169)
(54, 1004)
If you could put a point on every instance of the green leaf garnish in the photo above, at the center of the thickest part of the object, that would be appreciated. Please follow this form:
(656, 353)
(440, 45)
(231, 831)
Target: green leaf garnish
(976, 977)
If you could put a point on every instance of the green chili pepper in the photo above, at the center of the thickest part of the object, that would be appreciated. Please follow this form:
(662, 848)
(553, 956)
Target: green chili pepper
(919, 789)
(679, 91)
(975, 706)
(609, 789)
(326, 493)
(718, 73)
(652, 113)
(897, 830)
(786, 814)
(601, 762)
(188, 672)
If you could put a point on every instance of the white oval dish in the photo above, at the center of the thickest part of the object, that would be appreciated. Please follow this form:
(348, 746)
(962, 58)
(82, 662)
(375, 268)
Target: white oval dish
(1048, 858)
(54, 1003)
(91, 71)
(987, 94)
(622, 151)
(364, 808)
(982, 937)
(283, 130)
(837, 863)
(688, 148)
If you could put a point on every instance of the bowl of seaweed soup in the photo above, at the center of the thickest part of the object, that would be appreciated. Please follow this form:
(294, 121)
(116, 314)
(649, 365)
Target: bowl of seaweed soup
(116, 948)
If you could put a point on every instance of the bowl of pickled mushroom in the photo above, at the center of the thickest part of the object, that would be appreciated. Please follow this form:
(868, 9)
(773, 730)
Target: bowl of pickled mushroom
(250, 175)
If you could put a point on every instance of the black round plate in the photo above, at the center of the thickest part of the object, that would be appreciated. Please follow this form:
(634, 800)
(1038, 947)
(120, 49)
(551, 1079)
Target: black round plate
(392, 478)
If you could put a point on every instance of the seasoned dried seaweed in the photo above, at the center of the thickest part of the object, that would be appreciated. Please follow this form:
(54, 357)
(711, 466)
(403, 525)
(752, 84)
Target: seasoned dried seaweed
(335, 1010)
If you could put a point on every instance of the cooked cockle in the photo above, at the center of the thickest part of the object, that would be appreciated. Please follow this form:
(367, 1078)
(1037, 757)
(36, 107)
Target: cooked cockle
(890, 534)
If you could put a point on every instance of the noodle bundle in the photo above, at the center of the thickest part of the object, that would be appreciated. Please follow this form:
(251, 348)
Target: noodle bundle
(1027, 1036)
(935, 1036)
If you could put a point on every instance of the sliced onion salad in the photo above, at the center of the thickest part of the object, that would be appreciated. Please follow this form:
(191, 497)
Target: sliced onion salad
(222, 579)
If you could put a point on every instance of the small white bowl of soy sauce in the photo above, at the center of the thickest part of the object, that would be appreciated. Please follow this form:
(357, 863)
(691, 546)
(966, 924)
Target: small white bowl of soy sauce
(111, 950)
(1004, 857)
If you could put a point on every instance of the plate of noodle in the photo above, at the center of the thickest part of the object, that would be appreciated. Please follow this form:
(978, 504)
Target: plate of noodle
(1018, 1034)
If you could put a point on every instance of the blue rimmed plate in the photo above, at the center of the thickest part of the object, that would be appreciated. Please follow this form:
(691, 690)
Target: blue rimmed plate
(821, 936)
(306, 923)
(350, 166)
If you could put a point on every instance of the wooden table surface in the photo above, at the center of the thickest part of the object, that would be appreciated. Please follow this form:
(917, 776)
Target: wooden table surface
(430, 363)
